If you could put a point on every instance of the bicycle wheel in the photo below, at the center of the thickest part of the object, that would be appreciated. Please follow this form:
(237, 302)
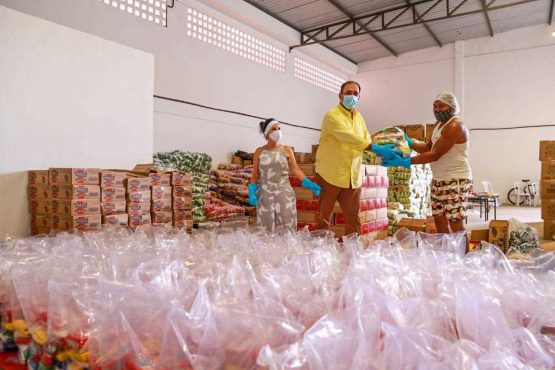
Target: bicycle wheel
(511, 197)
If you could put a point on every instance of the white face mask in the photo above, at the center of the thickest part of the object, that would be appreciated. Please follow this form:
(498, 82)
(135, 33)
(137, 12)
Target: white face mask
(275, 135)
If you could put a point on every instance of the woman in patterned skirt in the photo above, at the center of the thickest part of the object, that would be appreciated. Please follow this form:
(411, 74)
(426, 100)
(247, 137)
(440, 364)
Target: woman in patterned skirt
(270, 190)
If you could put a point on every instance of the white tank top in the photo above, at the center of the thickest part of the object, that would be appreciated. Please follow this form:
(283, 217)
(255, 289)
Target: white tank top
(453, 164)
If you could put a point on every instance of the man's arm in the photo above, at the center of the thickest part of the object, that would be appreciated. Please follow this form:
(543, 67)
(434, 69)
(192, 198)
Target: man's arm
(449, 137)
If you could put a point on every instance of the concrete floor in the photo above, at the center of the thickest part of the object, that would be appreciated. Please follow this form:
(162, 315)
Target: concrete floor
(525, 214)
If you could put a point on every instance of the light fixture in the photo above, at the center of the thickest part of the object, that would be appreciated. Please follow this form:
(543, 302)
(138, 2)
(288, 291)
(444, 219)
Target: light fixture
(553, 34)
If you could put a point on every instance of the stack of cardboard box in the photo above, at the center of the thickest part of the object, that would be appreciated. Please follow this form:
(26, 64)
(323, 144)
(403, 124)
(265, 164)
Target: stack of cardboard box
(373, 204)
(39, 201)
(182, 200)
(161, 195)
(113, 197)
(74, 198)
(547, 157)
(307, 203)
(138, 200)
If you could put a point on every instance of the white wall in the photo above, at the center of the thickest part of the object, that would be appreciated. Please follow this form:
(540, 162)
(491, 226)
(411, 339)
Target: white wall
(188, 69)
(507, 80)
(67, 99)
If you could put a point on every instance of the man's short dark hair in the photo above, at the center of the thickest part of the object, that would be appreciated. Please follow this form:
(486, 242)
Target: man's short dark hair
(348, 83)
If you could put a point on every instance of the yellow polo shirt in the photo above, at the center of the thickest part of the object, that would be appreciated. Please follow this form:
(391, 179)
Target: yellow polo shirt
(342, 141)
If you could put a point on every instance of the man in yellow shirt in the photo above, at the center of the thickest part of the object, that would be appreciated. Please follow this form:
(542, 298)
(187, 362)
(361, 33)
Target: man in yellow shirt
(338, 162)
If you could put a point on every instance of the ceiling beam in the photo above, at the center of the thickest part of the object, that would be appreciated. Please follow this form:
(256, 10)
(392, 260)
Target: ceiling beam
(551, 12)
(486, 15)
(364, 27)
(250, 2)
(416, 13)
(378, 23)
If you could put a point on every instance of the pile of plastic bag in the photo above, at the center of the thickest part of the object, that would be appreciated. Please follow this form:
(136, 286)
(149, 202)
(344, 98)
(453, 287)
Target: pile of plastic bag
(239, 299)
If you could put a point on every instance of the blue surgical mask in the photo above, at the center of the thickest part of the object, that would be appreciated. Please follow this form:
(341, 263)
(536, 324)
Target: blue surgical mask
(350, 101)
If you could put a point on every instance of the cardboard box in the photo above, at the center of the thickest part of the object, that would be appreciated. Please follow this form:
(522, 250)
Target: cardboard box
(137, 183)
(381, 213)
(548, 169)
(136, 220)
(368, 193)
(368, 227)
(39, 206)
(37, 177)
(41, 221)
(499, 234)
(370, 170)
(179, 178)
(237, 160)
(547, 189)
(548, 247)
(339, 230)
(75, 176)
(304, 194)
(74, 207)
(417, 132)
(549, 229)
(307, 217)
(161, 192)
(139, 196)
(547, 150)
(315, 150)
(371, 215)
(413, 224)
(182, 218)
(181, 191)
(308, 169)
(138, 208)
(161, 205)
(304, 158)
(182, 203)
(162, 217)
(109, 208)
(381, 193)
(38, 192)
(479, 234)
(340, 218)
(160, 179)
(75, 191)
(382, 224)
(548, 209)
(373, 236)
(116, 219)
(112, 194)
(311, 227)
(310, 205)
(80, 223)
(431, 225)
(112, 179)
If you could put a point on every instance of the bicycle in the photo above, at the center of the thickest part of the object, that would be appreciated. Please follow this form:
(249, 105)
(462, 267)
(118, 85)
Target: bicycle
(527, 190)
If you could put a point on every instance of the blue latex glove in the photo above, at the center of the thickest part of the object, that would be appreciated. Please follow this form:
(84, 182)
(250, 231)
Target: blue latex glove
(312, 186)
(385, 151)
(409, 140)
(397, 161)
(253, 199)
